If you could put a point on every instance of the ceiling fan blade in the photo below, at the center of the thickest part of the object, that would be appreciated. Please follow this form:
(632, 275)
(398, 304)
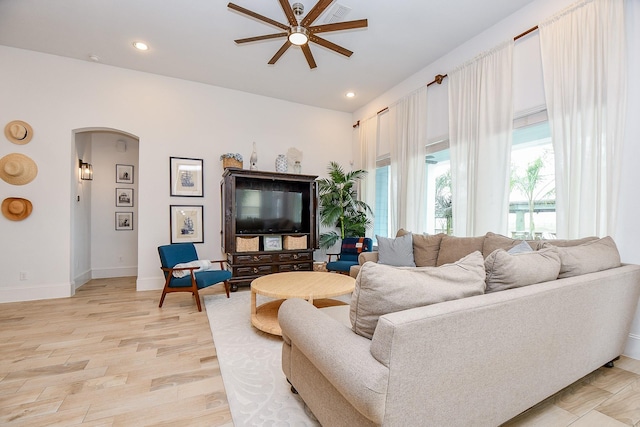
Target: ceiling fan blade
(337, 26)
(326, 43)
(257, 16)
(279, 53)
(258, 38)
(309, 56)
(315, 12)
(288, 10)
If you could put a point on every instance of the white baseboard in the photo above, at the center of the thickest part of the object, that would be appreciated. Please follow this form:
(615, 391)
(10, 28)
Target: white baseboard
(81, 279)
(105, 273)
(632, 349)
(36, 292)
(149, 283)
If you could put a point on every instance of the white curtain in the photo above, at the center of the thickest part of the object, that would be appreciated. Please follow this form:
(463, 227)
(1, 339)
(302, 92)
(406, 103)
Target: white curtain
(367, 136)
(407, 142)
(584, 67)
(480, 136)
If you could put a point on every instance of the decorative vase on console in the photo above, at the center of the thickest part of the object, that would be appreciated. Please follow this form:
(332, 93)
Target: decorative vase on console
(254, 159)
(281, 163)
(297, 167)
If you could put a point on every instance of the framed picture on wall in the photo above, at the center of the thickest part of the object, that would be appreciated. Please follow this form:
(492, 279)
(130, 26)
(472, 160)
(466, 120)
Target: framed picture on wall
(124, 174)
(186, 177)
(186, 224)
(124, 197)
(124, 221)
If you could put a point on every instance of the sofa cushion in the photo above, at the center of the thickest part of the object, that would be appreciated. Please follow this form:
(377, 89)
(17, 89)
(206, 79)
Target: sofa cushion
(425, 248)
(506, 271)
(382, 289)
(454, 248)
(589, 257)
(397, 252)
(493, 241)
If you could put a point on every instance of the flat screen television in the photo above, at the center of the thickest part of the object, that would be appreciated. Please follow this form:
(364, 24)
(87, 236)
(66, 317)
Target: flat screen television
(272, 208)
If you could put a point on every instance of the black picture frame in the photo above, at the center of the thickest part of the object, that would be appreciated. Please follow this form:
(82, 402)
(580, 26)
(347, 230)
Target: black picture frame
(124, 221)
(186, 177)
(124, 174)
(124, 197)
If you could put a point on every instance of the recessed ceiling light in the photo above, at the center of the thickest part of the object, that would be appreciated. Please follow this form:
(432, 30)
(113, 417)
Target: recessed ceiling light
(350, 94)
(140, 46)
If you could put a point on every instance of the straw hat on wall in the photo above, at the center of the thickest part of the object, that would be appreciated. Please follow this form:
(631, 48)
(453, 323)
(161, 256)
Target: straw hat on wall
(18, 132)
(17, 169)
(16, 208)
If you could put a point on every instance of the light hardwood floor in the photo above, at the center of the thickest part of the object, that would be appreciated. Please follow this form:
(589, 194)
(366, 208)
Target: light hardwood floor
(110, 357)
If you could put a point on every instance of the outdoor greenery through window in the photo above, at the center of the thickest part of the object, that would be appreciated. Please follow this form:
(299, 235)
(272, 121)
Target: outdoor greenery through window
(532, 201)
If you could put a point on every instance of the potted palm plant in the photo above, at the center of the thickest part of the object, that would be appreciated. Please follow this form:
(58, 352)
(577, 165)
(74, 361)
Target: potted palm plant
(340, 207)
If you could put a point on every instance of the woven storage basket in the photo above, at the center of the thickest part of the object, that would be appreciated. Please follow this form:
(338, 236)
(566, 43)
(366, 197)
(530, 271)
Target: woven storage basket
(247, 244)
(231, 163)
(295, 242)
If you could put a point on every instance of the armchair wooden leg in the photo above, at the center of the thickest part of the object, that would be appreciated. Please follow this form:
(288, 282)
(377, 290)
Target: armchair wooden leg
(164, 290)
(226, 287)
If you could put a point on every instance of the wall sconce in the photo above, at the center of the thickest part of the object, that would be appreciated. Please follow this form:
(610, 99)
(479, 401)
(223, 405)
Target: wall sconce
(86, 171)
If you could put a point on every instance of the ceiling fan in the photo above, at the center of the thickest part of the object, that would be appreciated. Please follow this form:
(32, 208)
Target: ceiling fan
(301, 32)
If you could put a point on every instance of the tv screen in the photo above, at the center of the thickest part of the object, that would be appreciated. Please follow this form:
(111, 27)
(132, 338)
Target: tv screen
(260, 211)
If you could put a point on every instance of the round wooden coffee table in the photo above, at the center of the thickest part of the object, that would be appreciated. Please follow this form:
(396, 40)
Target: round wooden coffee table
(314, 286)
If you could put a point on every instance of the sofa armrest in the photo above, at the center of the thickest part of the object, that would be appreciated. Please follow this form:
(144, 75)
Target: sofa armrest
(367, 256)
(343, 357)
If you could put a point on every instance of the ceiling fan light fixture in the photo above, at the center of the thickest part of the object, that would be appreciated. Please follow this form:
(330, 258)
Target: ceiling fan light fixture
(298, 35)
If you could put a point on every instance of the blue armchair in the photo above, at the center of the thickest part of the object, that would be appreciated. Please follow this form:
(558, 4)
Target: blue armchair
(350, 248)
(180, 253)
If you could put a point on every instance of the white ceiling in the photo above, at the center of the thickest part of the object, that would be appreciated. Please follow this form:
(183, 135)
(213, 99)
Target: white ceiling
(193, 40)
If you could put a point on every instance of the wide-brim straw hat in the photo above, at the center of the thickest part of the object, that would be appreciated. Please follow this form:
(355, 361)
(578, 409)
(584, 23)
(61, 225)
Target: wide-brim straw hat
(18, 132)
(16, 208)
(17, 169)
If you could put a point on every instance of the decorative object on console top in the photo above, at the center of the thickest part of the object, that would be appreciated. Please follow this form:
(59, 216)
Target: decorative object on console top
(281, 163)
(254, 158)
(232, 160)
(294, 156)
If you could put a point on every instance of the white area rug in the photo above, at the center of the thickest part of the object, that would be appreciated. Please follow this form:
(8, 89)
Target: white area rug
(250, 362)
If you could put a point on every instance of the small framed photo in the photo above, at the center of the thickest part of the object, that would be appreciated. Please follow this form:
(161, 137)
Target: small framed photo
(124, 221)
(186, 177)
(186, 224)
(124, 174)
(124, 197)
(273, 243)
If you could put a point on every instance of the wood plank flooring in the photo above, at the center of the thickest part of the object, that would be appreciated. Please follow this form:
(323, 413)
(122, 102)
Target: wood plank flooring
(110, 357)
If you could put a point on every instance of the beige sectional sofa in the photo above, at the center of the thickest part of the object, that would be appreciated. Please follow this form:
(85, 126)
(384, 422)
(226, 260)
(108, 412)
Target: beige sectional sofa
(478, 360)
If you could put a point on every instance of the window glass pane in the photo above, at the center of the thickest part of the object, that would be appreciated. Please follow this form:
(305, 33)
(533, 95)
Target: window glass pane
(381, 209)
(532, 201)
(439, 214)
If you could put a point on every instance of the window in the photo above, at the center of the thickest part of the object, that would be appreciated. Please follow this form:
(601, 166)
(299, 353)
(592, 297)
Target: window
(439, 212)
(532, 204)
(381, 209)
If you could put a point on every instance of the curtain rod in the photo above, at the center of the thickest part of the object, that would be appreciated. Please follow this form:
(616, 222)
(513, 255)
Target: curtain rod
(438, 78)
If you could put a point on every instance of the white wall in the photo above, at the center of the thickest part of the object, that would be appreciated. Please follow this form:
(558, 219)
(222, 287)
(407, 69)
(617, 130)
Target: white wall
(171, 118)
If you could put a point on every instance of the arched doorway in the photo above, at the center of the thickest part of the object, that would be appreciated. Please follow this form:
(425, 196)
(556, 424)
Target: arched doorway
(104, 236)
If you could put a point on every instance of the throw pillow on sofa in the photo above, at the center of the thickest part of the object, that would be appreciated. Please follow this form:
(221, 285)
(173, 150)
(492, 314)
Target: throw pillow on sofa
(506, 271)
(382, 289)
(425, 247)
(589, 257)
(397, 252)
